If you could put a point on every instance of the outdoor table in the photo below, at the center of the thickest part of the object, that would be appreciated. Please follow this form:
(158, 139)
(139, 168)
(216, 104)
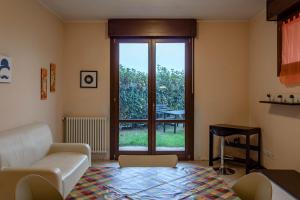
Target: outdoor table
(176, 113)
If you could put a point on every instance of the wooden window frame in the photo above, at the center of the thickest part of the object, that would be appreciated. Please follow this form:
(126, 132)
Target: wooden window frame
(152, 29)
(139, 28)
(188, 154)
(279, 9)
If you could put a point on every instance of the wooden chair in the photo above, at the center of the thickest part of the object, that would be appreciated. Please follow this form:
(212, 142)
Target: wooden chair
(35, 187)
(254, 186)
(148, 160)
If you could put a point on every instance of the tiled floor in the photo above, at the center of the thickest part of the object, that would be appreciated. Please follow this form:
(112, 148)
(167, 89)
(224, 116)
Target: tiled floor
(239, 170)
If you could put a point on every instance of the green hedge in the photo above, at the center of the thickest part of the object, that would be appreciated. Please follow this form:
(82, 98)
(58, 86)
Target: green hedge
(134, 91)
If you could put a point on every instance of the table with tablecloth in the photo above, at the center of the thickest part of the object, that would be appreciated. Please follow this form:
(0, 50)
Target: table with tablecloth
(151, 183)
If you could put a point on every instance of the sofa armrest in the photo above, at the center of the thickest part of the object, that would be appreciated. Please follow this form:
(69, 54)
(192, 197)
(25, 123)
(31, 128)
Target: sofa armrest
(9, 178)
(72, 147)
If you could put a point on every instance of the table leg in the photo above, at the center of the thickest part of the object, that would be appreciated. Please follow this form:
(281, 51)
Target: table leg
(247, 154)
(175, 126)
(164, 125)
(211, 148)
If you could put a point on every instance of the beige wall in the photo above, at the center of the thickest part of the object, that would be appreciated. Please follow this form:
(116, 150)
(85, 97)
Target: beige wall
(33, 38)
(280, 124)
(86, 47)
(235, 66)
(227, 89)
(221, 61)
(221, 78)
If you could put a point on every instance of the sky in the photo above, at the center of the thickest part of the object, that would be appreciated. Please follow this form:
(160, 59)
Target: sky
(135, 55)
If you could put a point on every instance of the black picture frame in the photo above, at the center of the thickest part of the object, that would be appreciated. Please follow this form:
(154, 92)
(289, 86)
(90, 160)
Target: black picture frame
(90, 78)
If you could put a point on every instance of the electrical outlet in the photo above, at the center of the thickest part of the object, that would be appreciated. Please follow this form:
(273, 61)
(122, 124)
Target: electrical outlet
(268, 154)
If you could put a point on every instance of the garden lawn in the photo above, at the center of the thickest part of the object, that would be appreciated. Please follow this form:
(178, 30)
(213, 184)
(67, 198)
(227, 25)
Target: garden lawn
(139, 137)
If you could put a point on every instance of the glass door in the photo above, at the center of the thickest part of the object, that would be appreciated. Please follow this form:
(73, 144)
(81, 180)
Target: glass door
(152, 99)
(170, 96)
(133, 96)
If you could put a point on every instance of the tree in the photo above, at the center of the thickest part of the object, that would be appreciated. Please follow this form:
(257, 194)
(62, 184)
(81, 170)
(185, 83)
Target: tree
(134, 91)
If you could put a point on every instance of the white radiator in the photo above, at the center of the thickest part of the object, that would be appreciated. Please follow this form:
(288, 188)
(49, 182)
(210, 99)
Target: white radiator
(88, 130)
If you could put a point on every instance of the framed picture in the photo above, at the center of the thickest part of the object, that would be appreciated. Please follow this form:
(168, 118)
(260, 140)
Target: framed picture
(52, 77)
(5, 69)
(44, 74)
(88, 79)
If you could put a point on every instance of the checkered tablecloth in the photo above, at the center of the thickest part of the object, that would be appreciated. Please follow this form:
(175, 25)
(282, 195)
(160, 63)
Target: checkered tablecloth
(151, 183)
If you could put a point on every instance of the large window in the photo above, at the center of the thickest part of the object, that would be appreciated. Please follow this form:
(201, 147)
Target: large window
(152, 104)
(152, 86)
(289, 50)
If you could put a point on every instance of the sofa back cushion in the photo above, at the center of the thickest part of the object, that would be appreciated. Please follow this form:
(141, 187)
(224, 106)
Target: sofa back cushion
(22, 146)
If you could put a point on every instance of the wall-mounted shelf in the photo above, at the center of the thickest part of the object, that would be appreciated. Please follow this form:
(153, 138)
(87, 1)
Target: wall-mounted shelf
(280, 103)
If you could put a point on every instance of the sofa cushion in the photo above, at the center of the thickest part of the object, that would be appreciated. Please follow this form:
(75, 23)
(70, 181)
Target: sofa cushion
(22, 146)
(72, 166)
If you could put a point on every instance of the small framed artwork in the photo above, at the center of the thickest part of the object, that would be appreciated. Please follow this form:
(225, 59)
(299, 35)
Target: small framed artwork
(88, 79)
(44, 74)
(52, 77)
(5, 69)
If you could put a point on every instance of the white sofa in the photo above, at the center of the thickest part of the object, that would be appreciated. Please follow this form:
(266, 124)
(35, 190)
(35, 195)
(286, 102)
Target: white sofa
(30, 150)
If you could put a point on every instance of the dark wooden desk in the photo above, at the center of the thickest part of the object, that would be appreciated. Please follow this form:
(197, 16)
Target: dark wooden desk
(228, 130)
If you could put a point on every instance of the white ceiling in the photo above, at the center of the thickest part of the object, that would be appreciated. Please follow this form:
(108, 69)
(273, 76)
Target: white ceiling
(199, 9)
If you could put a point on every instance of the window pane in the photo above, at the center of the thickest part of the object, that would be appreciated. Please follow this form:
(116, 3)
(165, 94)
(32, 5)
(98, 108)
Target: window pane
(170, 137)
(133, 76)
(170, 81)
(133, 137)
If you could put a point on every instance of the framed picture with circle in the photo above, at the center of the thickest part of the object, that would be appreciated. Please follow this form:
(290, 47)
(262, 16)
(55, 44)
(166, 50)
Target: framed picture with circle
(88, 79)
